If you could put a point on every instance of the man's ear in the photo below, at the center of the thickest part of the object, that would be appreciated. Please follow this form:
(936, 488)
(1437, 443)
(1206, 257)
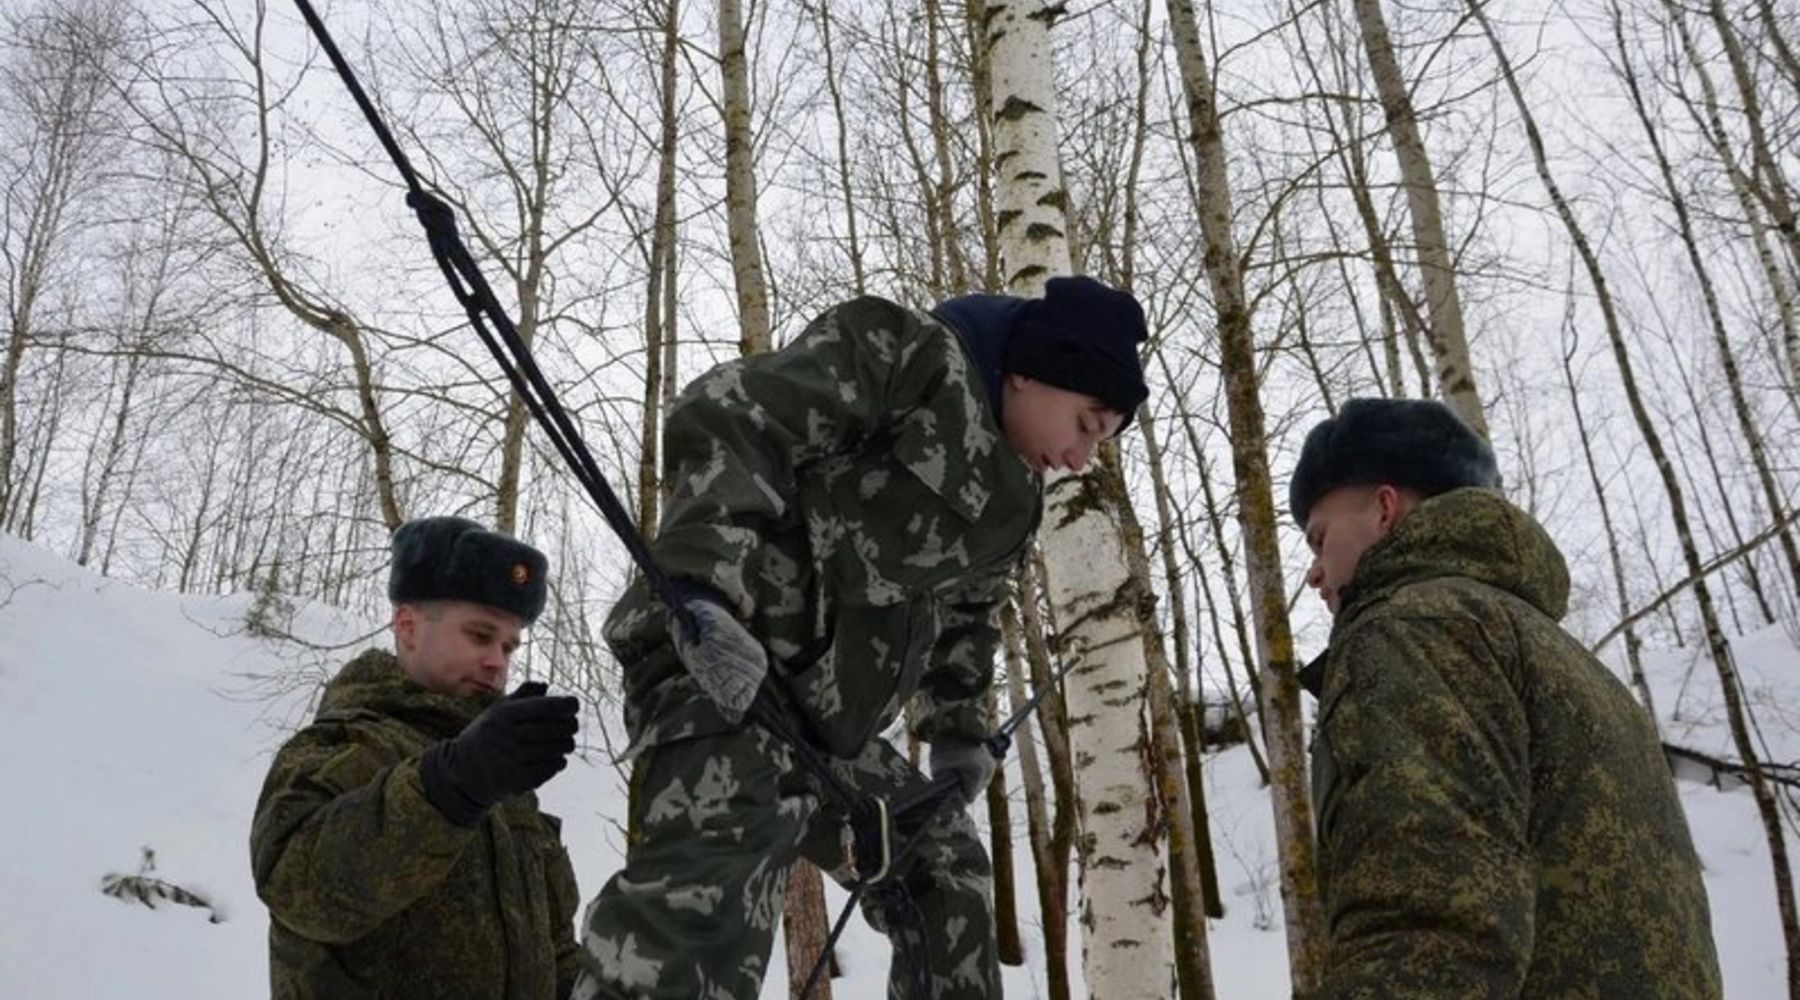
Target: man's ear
(406, 626)
(1394, 506)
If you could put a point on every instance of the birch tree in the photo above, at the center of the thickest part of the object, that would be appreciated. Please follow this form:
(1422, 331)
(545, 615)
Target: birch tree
(740, 183)
(1443, 305)
(1126, 938)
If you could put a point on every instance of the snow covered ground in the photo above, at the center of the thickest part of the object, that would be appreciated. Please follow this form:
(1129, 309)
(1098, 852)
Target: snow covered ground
(133, 720)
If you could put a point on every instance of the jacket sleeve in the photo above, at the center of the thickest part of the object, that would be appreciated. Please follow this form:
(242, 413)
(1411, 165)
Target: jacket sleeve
(1424, 823)
(952, 699)
(343, 839)
(565, 899)
(738, 433)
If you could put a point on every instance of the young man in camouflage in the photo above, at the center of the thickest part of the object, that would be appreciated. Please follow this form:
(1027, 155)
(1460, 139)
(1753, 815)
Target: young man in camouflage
(1495, 815)
(853, 505)
(397, 841)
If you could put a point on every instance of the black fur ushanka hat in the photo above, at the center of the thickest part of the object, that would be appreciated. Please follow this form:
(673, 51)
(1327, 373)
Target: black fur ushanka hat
(1414, 443)
(455, 559)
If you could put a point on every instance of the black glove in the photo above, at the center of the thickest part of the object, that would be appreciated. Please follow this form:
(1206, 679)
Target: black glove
(513, 747)
(970, 762)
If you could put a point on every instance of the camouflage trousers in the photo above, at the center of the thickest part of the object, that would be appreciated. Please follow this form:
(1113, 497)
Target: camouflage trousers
(721, 821)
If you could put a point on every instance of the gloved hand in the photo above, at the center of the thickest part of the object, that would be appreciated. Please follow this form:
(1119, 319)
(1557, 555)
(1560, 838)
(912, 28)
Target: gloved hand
(513, 747)
(969, 761)
(724, 658)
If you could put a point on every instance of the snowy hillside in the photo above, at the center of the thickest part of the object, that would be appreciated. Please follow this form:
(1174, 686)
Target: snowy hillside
(132, 720)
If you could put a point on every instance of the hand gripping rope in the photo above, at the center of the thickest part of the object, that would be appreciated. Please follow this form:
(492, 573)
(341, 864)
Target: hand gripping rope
(870, 822)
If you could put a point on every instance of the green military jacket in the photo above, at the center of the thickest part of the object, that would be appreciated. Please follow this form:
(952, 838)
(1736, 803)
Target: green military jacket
(1495, 815)
(372, 892)
(854, 501)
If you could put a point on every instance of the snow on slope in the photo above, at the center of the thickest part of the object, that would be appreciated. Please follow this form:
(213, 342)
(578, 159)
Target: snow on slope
(132, 719)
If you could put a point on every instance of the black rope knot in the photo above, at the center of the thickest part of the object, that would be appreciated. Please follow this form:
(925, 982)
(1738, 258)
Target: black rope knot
(434, 213)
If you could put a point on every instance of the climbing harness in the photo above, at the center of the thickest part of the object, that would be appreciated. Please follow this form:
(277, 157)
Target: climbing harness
(870, 822)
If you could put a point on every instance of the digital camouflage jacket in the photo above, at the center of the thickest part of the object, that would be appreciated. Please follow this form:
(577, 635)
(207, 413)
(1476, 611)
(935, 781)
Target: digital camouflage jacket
(1495, 815)
(372, 892)
(851, 497)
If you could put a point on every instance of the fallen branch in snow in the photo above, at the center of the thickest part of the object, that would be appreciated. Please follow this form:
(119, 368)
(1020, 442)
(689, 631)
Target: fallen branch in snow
(145, 889)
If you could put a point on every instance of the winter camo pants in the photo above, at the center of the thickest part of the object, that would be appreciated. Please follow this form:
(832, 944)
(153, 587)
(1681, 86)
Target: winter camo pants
(722, 820)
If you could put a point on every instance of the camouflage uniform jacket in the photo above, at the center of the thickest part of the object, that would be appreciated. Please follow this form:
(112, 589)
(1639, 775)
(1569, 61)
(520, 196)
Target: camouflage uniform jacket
(373, 893)
(1495, 815)
(854, 501)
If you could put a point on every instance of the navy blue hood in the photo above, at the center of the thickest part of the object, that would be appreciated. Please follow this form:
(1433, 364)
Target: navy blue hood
(985, 323)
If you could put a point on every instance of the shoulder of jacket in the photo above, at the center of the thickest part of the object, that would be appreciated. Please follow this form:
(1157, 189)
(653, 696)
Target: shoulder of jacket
(338, 729)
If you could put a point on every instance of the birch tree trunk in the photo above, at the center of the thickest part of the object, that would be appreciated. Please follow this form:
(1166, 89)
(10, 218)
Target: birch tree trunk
(740, 184)
(1282, 724)
(1715, 636)
(1126, 948)
(1449, 342)
(803, 918)
(1742, 186)
(1771, 181)
(659, 286)
(943, 188)
(982, 78)
(835, 86)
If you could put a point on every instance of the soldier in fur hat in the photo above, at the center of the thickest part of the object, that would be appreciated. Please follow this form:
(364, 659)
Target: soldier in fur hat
(398, 842)
(1495, 815)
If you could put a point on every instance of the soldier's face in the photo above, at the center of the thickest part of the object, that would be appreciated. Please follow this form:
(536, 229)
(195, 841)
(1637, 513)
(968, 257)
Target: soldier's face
(1053, 428)
(455, 647)
(1341, 526)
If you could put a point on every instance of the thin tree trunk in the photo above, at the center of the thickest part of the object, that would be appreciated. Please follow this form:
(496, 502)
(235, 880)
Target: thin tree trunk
(1752, 196)
(1177, 807)
(1790, 66)
(1000, 851)
(1634, 660)
(1393, 299)
(1215, 519)
(1186, 673)
(1449, 342)
(1049, 865)
(1771, 181)
(1734, 382)
(806, 925)
(1053, 723)
(1256, 513)
(975, 13)
(834, 86)
(657, 339)
(1192, 962)
(942, 192)
(94, 507)
(740, 185)
(804, 920)
(1715, 637)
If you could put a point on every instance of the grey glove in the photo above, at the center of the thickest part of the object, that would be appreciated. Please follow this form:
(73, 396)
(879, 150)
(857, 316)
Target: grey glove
(971, 763)
(723, 657)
